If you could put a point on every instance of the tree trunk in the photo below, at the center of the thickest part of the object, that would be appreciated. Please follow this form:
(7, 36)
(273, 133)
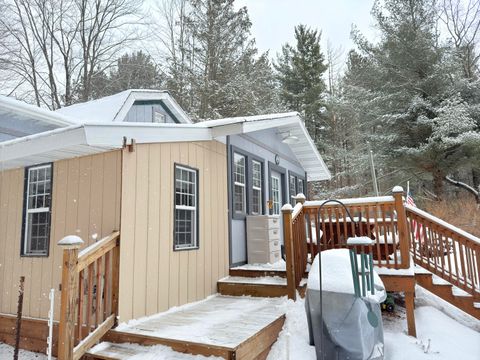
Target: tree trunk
(476, 179)
(438, 184)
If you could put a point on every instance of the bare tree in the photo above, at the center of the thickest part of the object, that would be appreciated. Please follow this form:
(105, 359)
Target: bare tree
(462, 19)
(57, 46)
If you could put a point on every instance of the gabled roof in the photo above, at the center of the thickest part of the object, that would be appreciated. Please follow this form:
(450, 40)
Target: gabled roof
(114, 108)
(290, 124)
(79, 140)
(18, 119)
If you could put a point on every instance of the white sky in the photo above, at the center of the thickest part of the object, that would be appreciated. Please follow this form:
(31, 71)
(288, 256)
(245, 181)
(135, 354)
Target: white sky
(274, 20)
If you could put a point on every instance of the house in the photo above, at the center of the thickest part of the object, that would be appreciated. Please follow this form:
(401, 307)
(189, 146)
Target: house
(136, 163)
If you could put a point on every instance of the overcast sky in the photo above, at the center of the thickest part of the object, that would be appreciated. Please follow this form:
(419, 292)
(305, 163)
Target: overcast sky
(274, 20)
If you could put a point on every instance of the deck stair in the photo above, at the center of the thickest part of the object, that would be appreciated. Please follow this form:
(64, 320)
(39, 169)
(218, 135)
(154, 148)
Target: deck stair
(257, 283)
(448, 292)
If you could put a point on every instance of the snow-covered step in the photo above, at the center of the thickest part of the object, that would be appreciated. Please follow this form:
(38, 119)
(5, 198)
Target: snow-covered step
(456, 291)
(476, 305)
(436, 280)
(264, 286)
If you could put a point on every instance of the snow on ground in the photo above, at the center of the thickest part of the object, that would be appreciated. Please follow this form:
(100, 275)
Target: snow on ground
(439, 336)
(6, 352)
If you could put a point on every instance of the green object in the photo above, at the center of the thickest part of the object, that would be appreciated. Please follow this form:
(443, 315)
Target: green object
(389, 304)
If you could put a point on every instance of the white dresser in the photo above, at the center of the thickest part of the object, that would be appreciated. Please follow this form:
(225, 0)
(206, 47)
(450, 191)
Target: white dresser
(263, 239)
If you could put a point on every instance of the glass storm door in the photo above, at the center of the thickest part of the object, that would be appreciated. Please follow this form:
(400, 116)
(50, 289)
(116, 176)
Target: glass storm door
(276, 185)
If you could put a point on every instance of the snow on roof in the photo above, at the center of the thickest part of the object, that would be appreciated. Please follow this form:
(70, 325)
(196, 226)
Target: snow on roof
(18, 119)
(115, 107)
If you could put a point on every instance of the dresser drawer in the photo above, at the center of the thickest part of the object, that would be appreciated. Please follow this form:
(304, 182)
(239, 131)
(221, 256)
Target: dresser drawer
(274, 245)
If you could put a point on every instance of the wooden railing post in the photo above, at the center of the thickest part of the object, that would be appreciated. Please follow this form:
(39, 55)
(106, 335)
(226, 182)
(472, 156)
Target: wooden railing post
(66, 334)
(287, 211)
(403, 233)
(300, 198)
(115, 280)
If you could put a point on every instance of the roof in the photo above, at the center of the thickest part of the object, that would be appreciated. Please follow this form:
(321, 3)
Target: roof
(89, 138)
(114, 108)
(286, 123)
(18, 119)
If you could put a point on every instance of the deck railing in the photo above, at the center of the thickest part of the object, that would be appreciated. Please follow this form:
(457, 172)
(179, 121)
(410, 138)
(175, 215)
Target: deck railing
(445, 250)
(89, 301)
(313, 226)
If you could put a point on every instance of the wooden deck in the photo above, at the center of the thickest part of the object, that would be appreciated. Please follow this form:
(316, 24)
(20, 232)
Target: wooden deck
(224, 326)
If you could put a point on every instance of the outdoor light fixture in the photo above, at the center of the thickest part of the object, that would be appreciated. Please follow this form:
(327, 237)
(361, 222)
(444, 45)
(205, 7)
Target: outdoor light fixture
(290, 139)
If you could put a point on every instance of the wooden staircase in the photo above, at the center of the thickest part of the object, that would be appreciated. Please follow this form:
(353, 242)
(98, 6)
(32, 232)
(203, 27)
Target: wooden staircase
(448, 292)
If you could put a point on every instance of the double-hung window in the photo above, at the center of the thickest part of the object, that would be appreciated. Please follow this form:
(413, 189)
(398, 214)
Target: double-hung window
(257, 187)
(292, 184)
(239, 184)
(38, 199)
(186, 208)
(296, 185)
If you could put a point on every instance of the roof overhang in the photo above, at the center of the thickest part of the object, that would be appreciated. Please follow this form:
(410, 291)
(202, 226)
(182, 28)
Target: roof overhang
(287, 123)
(81, 140)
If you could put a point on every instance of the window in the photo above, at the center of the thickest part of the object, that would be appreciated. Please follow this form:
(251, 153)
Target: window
(296, 185)
(186, 208)
(276, 195)
(239, 181)
(301, 186)
(293, 188)
(38, 198)
(257, 188)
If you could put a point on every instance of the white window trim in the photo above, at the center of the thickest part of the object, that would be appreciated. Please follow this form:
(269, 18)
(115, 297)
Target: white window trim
(26, 250)
(257, 188)
(195, 244)
(243, 185)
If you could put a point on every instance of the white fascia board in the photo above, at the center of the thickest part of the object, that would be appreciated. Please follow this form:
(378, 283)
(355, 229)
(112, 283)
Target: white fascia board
(328, 176)
(224, 130)
(251, 126)
(112, 135)
(42, 143)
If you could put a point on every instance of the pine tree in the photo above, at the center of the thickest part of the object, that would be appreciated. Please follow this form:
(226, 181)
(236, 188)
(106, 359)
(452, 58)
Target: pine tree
(412, 114)
(300, 70)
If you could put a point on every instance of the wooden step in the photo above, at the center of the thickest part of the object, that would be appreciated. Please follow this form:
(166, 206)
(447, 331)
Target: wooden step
(448, 292)
(257, 273)
(266, 286)
(262, 286)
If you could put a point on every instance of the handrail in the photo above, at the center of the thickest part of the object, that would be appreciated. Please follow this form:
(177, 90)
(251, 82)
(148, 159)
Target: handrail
(445, 250)
(97, 250)
(312, 226)
(89, 300)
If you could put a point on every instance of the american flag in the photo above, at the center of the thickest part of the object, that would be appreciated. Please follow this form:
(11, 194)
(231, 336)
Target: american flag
(417, 228)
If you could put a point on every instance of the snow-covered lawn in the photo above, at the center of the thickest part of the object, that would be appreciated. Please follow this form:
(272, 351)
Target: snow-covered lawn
(439, 336)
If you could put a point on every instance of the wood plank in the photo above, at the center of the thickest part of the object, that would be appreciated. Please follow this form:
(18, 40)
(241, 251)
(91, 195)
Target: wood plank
(97, 250)
(262, 341)
(398, 282)
(153, 231)
(93, 338)
(177, 345)
(257, 290)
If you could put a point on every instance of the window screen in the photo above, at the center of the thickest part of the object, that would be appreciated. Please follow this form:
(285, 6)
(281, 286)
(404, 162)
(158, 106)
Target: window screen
(239, 181)
(256, 187)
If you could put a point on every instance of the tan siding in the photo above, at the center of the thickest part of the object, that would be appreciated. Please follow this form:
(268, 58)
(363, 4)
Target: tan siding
(153, 277)
(77, 208)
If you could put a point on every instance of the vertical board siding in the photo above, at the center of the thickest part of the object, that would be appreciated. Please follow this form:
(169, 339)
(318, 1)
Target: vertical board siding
(153, 277)
(85, 202)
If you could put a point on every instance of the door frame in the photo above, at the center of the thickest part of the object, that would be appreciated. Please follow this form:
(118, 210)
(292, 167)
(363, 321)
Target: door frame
(283, 177)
